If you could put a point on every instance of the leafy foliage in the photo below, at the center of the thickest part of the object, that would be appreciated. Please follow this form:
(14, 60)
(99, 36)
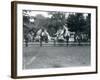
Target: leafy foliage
(57, 21)
(76, 22)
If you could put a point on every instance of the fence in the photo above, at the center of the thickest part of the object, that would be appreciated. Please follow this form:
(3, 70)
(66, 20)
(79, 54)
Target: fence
(57, 44)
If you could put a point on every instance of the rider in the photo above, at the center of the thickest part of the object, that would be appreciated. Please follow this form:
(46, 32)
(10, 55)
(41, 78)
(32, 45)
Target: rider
(78, 38)
(26, 41)
(66, 36)
(67, 39)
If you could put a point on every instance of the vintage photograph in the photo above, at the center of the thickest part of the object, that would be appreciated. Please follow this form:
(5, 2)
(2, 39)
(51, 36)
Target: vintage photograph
(53, 39)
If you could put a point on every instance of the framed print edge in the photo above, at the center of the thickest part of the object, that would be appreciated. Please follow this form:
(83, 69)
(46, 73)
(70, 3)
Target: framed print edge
(96, 39)
(14, 39)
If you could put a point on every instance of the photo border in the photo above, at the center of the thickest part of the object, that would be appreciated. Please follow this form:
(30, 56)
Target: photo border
(14, 37)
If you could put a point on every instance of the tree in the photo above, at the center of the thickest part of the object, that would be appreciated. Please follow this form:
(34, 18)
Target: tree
(88, 25)
(52, 23)
(26, 17)
(76, 22)
(41, 21)
(57, 21)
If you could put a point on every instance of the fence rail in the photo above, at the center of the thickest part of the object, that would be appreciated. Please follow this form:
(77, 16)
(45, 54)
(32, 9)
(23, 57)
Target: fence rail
(51, 43)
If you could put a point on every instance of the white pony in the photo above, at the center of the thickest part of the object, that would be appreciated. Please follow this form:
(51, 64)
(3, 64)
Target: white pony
(62, 32)
(39, 33)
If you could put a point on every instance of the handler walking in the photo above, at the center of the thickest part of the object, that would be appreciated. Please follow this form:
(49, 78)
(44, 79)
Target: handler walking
(67, 40)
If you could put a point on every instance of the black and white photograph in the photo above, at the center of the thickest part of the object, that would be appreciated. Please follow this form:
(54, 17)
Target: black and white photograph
(56, 39)
(53, 39)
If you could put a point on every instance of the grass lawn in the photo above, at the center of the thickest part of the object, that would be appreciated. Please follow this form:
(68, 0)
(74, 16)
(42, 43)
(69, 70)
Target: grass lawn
(35, 56)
